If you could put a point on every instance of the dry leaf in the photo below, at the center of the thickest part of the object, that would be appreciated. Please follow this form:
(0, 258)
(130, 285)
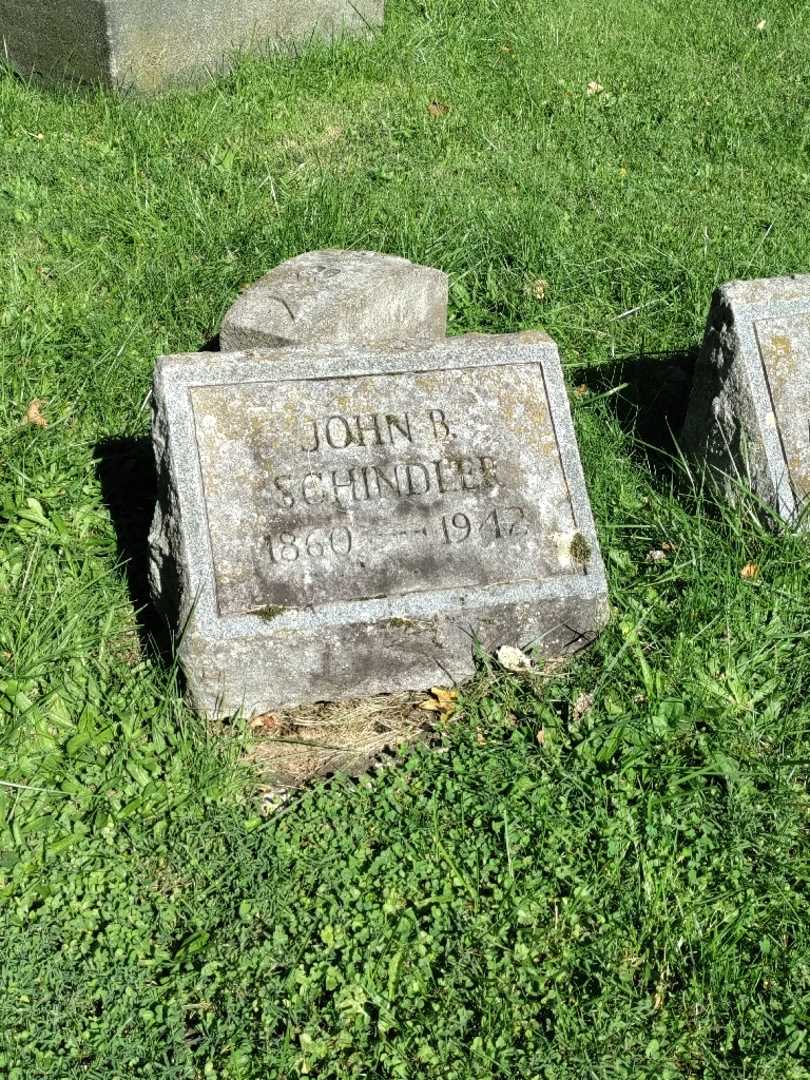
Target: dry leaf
(537, 288)
(480, 737)
(443, 701)
(438, 108)
(761, 24)
(581, 390)
(273, 799)
(582, 705)
(750, 571)
(657, 555)
(512, 659)
(594, 88)
(443, 694)
(266, 722)
(429, 705)
(541, 736)
(33, 414)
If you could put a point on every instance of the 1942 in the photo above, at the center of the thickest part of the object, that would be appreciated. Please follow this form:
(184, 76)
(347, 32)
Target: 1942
(509, 521)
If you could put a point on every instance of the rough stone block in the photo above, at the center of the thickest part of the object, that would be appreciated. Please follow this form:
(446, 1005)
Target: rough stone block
(749, 411)
(340, 521)
(338, 296)
(152, 44)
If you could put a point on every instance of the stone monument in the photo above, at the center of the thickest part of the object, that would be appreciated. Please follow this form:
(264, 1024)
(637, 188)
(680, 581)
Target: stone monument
(338, 296)
(340, 520)
(749, 412)
(151, 44)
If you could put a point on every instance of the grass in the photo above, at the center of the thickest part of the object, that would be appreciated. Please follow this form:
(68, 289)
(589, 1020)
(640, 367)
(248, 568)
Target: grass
(604, 874)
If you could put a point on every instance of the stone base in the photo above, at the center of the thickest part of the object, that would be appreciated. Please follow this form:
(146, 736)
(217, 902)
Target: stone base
(384, 647)
(148, 45)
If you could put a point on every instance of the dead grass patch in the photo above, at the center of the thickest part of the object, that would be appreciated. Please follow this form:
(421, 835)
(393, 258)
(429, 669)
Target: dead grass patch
(294, 746)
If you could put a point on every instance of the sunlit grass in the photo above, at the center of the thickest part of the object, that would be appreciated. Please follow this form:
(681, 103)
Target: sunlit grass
(605, 873)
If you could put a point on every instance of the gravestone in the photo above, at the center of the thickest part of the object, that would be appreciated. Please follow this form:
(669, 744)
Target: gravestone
(152, 44)
(749, 411)
(338, 296)
(338, 521)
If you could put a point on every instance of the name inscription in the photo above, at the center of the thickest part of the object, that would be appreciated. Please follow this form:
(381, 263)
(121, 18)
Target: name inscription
(380, 485)
(396, 479)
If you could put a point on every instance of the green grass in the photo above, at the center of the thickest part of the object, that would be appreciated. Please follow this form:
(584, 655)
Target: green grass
(612, 891)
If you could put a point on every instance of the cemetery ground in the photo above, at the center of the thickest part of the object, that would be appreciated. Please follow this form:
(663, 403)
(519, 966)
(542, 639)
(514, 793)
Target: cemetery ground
(597, 870)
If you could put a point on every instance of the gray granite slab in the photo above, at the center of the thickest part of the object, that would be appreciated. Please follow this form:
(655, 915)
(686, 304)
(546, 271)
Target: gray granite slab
(152, 44)
(336, 521)
(338, 296)
(749, 412)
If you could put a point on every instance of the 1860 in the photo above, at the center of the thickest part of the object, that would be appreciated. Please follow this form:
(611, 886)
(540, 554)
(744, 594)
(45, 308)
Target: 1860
(288, 547)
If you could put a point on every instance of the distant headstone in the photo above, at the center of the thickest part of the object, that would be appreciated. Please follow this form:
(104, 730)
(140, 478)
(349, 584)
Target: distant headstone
(338, 296)
(749, 411)
(151, 45)
(339, 521)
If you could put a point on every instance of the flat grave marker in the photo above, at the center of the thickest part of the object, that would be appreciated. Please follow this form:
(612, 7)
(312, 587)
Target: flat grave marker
(749, 411)
(339, 521)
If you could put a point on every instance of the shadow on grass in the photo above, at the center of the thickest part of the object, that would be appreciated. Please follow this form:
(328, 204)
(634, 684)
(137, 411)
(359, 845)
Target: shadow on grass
(126, 471)
(649, 394)
(653, 398)
(125, 467)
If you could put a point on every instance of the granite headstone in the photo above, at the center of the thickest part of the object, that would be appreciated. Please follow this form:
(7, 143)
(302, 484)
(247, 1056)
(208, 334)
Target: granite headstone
(749, 412)
(148, 45)
(337, 521)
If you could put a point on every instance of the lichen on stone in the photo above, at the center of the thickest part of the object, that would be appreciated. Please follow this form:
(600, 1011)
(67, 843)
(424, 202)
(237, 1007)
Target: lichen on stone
(272, 611)
(580, 549)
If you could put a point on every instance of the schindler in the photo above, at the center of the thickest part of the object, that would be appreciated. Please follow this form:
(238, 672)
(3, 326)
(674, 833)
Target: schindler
(397, 480)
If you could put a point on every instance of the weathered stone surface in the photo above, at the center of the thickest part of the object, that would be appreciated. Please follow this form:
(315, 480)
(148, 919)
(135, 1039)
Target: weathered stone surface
(57, 39)
(338, 296)
(749, 412)
(151, 44)
(339, 521)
